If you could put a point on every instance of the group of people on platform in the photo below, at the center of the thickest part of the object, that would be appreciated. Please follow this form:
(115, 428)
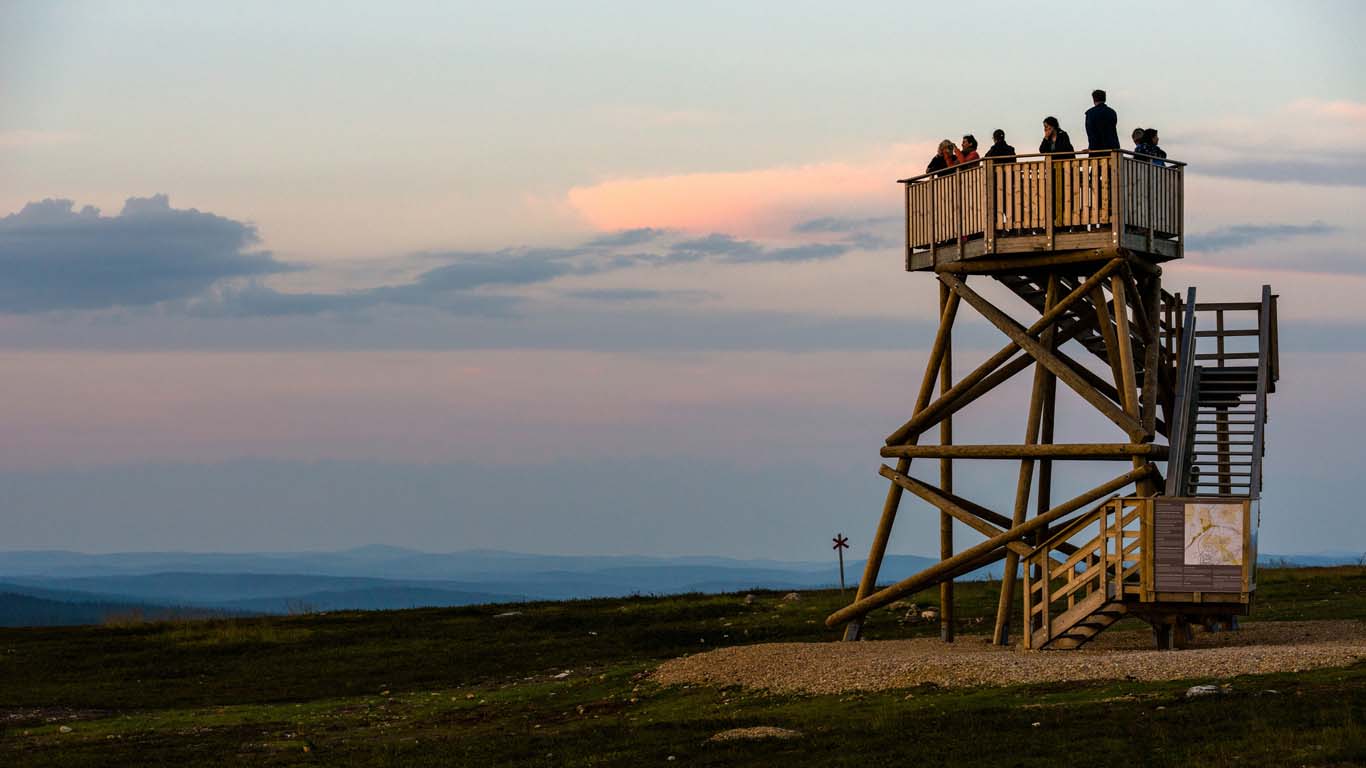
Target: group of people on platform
(1101, 136)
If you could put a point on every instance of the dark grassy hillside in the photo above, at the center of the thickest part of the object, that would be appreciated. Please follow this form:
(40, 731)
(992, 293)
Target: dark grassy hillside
(473, 686)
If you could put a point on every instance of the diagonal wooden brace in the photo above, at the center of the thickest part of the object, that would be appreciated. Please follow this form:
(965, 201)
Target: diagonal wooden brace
(932, 413)
(1045, 357)
(988, 551)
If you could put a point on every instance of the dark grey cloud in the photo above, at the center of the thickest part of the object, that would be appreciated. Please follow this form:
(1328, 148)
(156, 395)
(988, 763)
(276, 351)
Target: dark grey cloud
(203, 265)
(53, 257)
(867, 233)
(1243, 235)
(729, 249)
(842, 224)
(1341, 170)
(719, 245)
(813, 252)
(632, 294)
(628, 237)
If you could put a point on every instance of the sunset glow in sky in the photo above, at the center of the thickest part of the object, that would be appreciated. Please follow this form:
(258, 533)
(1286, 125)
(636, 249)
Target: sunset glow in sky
(595, 277)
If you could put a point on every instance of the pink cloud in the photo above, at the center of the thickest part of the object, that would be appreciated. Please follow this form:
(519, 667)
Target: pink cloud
(754, 203)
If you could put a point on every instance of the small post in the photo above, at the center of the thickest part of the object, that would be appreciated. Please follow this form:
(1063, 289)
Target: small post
(841, 543)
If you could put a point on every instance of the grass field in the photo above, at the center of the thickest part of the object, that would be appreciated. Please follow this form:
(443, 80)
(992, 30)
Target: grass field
(469, 687)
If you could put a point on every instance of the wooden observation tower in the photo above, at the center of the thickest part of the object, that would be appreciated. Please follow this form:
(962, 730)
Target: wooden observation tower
(1171, 538)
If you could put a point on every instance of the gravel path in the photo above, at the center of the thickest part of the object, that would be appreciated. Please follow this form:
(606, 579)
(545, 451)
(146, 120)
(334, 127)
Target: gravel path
(835, 667)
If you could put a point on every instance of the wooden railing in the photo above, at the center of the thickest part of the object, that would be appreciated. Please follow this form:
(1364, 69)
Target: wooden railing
(1040, 202)
(1109, 564)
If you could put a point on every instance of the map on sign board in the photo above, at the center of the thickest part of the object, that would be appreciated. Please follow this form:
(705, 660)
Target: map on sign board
(1214, 534)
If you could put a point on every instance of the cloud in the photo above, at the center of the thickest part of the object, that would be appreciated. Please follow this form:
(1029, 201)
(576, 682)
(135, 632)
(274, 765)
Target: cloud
(636, 236)
(1243, 235)
(635, 294)
(53, 257)
(763, 202)
(729, 249)
(1307, 141)
(845, 224)
(464, 285)
(1340, 171)
(455, 287)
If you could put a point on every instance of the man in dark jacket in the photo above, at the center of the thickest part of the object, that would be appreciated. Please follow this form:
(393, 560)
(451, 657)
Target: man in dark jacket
(1055, 139)
(999, 147)
(1100, 124)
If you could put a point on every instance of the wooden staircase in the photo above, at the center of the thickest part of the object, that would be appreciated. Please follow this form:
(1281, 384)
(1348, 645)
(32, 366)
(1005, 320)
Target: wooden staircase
(1224, 374)
(1231, 366)
(1068, 602)
(1084, 621)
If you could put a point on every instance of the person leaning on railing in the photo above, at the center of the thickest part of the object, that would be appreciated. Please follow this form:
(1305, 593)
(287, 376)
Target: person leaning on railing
(999, 147)
(1149, 147)
(1055, 139)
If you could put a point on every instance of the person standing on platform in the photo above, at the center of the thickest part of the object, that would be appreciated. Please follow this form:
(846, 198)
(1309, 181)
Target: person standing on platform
(1100, 124)
(944, 159)
(1137, 136)
(999, 147)
(1055, 139)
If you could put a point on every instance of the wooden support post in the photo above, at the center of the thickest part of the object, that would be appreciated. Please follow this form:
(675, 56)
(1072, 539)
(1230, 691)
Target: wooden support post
(1001, 634)
(1126, 366)
(1107, 332)
(1152, 363)
(878, 548)
(976, 556)
(946, 297)
(1045, 357)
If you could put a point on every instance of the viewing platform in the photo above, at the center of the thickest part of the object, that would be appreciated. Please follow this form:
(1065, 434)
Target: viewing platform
(1042, 204)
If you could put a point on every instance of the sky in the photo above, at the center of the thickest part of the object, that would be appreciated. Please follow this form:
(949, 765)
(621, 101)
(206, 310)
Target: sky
(598, 278)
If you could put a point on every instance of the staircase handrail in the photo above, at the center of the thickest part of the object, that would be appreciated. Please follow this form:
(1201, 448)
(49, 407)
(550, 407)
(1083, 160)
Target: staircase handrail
(1070, 528)
(1177, 471)
(1264, 335)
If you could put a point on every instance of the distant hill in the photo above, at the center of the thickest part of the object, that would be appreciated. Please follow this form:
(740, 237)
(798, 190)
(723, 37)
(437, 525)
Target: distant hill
(58, 587)
(17, 610)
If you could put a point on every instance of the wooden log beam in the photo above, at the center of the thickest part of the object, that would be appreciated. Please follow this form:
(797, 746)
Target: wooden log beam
(1001, 633)
(946, 505)
(1146, 329)
(988, 551)
(1107, 332)
(999, 522)
(1022, 262)
(1046, 358)
(1126, 367)
(946, 612)
(883, 533)
(935, 411)
(1152, 364)
(1072, 451)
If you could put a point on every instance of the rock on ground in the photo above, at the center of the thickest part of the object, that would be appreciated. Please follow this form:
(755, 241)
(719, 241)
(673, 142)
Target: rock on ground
(756, 732)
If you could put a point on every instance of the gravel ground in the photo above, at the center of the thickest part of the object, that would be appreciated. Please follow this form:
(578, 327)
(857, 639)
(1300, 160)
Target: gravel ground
(835, 667)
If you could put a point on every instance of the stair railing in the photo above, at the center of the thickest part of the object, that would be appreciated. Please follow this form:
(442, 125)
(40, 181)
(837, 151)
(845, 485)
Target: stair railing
(1266, 349)
(1178, 457)
(1109, 562)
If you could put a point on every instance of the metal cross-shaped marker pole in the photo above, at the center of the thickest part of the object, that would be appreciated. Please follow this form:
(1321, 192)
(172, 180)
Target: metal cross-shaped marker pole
(841, 544)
